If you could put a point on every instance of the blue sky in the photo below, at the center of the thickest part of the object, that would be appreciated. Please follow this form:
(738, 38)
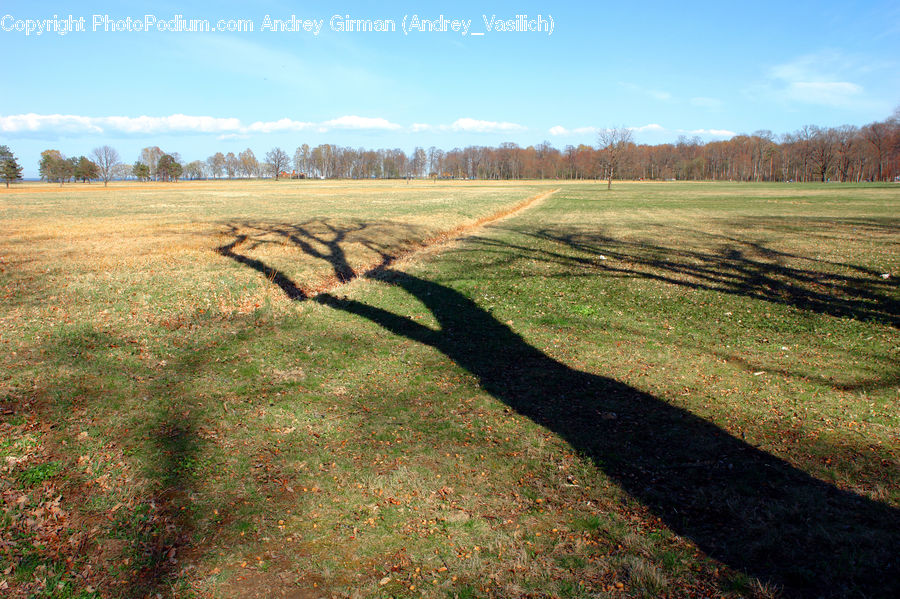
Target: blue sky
(665, 69)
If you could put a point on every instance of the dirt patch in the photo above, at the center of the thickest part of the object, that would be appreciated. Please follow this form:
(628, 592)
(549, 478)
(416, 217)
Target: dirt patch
(255, 584)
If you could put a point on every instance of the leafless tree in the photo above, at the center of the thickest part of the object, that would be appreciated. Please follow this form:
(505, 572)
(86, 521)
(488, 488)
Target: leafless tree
(107, 161)
(122, 171)
(878, 135)
(232, 165)
(302, 160)
(249, 163)
(215, 164)
(279, 161)
(845, 142)
(823, 151)
(614, 142)
(418, 162)
(194, 170)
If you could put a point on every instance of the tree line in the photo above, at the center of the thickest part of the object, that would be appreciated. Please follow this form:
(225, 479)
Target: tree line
(846, 153)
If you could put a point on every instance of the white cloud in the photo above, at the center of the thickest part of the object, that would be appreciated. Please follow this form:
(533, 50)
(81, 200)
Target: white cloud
(76, 125)
(176, 123)
(60, 125)
(829, 93)
(650, 127)
(469, 125)
(820, 79)
(560, 131)
(277, 126)
(36, 123)
(359, 122)
(474, 125)
(713, 132)
(812, 67)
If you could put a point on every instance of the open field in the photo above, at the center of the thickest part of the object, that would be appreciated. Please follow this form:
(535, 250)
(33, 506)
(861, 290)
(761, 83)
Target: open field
(666, 389)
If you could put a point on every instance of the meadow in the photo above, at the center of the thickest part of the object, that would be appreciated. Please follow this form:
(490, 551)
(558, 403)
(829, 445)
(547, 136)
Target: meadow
(450, 389)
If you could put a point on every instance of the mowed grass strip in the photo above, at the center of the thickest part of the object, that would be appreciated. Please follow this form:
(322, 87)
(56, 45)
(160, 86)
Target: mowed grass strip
(572, 402)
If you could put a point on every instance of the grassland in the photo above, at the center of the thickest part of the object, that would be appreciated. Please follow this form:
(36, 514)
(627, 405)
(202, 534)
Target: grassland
(662, 390)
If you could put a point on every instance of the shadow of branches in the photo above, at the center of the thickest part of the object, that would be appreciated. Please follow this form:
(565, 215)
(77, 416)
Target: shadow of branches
(740, 505)
(727, 264)
(321, 240)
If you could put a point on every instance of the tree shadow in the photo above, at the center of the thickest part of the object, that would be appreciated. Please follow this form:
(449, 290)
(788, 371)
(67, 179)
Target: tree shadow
(273, 274)
(145, 545)
(320, 239)
(157, 530)
(742, 506)
(164, 528)
(737, 266)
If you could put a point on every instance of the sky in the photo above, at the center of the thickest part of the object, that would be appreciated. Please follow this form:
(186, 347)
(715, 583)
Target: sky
(662, 69)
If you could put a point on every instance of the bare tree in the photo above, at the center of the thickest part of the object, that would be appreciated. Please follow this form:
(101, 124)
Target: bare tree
(614, 142)
(302, 159)
(195, 169)
(419, 162)
(878, 135)
(215, 164)
(278, 160)
(232, 165)
(122, 171)
(249, 163)
(845, 142)
(107, 161)
(823, 151)
(762, 142)
(150, 156)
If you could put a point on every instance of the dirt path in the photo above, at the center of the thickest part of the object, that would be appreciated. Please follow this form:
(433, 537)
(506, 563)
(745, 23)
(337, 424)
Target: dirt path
(428, 247)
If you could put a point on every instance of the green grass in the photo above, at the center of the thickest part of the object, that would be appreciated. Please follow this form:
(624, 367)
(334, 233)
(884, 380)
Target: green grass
(666, 389)
(36, 475)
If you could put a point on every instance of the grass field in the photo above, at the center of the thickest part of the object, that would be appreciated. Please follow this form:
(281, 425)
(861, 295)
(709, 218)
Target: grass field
(261, 390)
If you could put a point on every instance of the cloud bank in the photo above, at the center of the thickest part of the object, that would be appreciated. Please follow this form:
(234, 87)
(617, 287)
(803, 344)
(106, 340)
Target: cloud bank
(69, 125)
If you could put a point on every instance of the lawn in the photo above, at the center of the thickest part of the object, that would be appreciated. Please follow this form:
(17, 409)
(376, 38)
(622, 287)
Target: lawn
(266, 389)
